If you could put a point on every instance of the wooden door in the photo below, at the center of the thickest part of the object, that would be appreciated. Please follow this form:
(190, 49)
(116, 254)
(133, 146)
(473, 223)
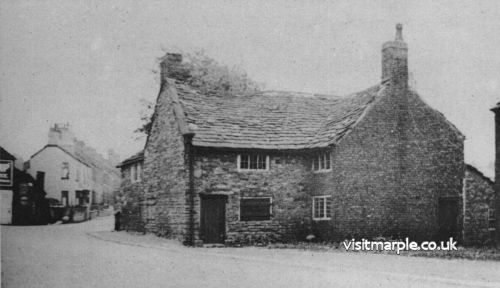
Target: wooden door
(448, 216)
(213, 219)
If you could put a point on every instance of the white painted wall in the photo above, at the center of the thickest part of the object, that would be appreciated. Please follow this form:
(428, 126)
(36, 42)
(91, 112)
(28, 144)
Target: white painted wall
(5, 206)
(50, 160)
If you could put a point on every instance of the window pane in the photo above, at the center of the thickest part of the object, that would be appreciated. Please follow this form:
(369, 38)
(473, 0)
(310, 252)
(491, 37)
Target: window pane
(315, 164)
(253, 161)
(321, 162)
(244, 161)
(327, 159)
(328, 207)
(262, 162)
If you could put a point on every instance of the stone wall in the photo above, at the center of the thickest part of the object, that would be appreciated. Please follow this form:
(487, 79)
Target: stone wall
(165, 175)
(390, 171)
(132, 202)
(479, 195)
(216, 173)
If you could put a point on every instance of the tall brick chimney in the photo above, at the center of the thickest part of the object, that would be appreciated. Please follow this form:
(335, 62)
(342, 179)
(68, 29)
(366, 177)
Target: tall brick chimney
(496, 110)
(395, 59)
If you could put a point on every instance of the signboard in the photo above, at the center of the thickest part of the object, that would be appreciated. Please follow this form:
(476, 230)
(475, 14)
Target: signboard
(6, 172)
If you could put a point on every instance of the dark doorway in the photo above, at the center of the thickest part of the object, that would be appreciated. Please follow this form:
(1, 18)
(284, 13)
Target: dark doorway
(213, 218)
(448, 216)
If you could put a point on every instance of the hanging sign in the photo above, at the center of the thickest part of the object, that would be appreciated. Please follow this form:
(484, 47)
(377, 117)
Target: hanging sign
(6, 172)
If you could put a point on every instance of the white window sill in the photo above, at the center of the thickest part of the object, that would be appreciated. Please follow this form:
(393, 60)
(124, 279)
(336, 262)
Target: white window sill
(322, 171)
(322, 219)
(253, 170)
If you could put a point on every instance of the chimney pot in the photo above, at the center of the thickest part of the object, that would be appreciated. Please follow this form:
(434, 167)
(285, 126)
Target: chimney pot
(395, 59)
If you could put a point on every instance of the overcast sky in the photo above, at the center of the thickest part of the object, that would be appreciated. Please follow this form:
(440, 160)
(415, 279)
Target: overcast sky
(90, 62)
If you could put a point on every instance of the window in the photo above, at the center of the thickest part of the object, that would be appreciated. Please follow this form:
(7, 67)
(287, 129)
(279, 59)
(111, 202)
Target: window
(322, 207)
(253, 162)
(64, 198)
(322, 162)
(132, 173)
(139, 172)
(136, 172)
(491, 217)
(65, 170)
(255, 209)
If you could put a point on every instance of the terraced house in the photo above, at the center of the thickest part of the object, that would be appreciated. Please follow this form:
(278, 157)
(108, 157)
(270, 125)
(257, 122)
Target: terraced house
(277, 166)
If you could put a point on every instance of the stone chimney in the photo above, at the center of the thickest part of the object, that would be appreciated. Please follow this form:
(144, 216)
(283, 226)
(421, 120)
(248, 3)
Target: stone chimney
(395, 59)
(496, 110)
(171, 66)
(61, 135)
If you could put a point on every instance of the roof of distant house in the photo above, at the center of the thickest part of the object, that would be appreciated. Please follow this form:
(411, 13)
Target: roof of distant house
(272, 119)
(137, 157)
(5, 155)
(475, 170)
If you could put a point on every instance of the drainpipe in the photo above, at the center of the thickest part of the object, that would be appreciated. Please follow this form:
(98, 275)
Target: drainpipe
(189, 158)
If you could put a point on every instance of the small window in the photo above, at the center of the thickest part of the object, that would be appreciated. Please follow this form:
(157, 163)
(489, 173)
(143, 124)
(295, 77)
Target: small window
(64, 198)
(255, 209)
(322, 207)
(65, 170)
(491, 217)
(253, 162)
(322, 162)
(133, 175)
(139, 172)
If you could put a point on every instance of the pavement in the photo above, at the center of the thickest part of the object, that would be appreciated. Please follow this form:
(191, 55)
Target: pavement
(90, 255)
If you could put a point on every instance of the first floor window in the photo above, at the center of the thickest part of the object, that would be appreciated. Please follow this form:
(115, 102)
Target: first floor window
(65, 170)
(253, 162)
(133, 175)
(322, 162)
(322, 209)
(255, 208)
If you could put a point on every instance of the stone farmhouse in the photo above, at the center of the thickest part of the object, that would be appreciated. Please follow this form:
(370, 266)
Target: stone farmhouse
(278, 166)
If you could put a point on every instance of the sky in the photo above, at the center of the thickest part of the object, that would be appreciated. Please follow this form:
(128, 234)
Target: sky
(89, 63)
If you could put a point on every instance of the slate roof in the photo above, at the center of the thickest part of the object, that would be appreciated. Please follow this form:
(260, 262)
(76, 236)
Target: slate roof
(137, 157)
(272, 119)
(5, 155)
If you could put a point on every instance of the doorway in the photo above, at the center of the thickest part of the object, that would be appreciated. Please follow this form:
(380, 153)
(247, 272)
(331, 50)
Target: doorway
(213, 218)
(448, 218)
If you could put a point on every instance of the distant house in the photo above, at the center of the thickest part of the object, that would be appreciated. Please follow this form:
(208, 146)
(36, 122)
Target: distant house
(479, 209)
(131, 193)
(22, 197)
(76, 175)
(277, 166)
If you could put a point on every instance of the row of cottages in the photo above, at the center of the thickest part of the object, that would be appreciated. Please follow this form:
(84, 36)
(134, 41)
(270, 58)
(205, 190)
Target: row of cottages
(75, 174)
(277, 166)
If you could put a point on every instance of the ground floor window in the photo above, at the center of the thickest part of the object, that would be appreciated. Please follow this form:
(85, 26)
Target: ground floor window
(491, 217)
(322, 207)
(64, 198)
(255, 208)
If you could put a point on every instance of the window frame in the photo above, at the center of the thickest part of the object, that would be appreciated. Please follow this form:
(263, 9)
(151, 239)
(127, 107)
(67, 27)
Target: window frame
(65, 174)
(491, 218)
(239, 158)
(257, 197)
(322, 159)
(327, 202)
(65, 195)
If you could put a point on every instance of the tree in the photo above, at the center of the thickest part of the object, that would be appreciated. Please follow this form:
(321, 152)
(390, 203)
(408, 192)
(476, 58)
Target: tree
(209, 77)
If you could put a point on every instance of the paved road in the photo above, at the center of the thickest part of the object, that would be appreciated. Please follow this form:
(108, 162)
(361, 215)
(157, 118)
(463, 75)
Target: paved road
(88, 255)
